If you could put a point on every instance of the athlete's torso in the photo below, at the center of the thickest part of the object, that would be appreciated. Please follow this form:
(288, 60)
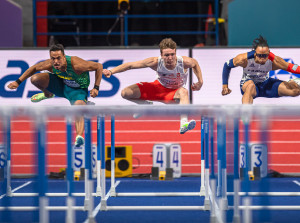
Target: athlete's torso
(72, 79)
(172, 79)
(256, 72)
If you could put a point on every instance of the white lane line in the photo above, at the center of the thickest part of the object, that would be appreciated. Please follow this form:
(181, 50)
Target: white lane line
(17, 188)
(297, 182)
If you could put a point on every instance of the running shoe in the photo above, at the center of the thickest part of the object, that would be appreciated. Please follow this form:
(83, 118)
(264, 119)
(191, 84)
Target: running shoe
(79, 141)
(39, 97)
(187, 126)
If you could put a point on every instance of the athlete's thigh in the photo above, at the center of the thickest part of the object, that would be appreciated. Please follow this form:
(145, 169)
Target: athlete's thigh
(286, 89)
(78, 95)
(133, 91)
(56, 85)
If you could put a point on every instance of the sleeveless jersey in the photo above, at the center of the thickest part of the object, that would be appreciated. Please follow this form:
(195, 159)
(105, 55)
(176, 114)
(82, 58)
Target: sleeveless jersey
(72, 79)
(172, 79)
(258, 73)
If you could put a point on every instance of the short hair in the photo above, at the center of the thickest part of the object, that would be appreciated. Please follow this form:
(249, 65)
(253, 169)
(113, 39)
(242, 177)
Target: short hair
(260, 41)
(57, 47)
(167, 43)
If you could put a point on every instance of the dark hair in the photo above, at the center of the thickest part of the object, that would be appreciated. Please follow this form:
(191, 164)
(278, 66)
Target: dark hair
(260, 41)
(57, 47)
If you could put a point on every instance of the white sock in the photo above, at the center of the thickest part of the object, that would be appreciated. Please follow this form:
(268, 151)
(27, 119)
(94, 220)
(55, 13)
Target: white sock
(183, 119)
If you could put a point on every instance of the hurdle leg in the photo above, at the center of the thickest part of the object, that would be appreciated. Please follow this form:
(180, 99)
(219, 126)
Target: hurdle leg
(202, 188)
(236, 186)
(70, 215)
(7, 130)
(206, 144)
(88, 165)
(42, 184)
(112, 187)
(98, 190)
(103, 206)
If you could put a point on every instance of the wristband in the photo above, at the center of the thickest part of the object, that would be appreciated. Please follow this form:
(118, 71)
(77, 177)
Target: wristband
(96, 87)
(110, 72)
(293, 68)
(18, 81)
(271, 56)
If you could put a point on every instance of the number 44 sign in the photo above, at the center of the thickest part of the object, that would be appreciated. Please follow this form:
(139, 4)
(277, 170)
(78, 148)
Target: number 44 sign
(167, 156)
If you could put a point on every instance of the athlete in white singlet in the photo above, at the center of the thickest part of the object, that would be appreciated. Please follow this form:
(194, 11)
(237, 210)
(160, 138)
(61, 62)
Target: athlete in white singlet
(256, 81)
(172, 79)
(169, 87)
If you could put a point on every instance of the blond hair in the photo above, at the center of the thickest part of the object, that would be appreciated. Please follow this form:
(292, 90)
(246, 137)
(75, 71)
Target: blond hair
(167, 43)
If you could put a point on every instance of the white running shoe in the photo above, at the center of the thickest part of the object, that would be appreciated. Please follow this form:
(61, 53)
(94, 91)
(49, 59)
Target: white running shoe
(296, 80)
(187, 126)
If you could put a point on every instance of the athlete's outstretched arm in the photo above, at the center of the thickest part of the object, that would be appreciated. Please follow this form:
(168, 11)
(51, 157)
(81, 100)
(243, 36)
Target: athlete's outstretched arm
(149, 62)
(279, 63)
(238, 61)
(192, 63)
(44, 65)
(81, 66)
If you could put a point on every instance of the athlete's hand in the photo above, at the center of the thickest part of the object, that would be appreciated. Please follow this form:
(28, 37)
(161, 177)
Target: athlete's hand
(196, 86)
(107, 73)
(94, 93)
(225, 90)
(13, 85)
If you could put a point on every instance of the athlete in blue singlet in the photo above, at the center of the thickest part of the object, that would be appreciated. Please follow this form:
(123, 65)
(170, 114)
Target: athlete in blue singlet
(68, 77)
(256, 67)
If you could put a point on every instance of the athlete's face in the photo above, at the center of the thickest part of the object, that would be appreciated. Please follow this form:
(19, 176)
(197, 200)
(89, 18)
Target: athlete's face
(58, 59)
(169, 57)
(261, 54)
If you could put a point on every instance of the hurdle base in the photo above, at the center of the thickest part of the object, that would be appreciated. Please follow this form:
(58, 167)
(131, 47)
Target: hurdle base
(98, 191)
(103, 206)
(236, 219)
(113, 192)
(9, 192)
(202, 191)
(213, 219)
(91, 220)
(86, 204)
(206, 205)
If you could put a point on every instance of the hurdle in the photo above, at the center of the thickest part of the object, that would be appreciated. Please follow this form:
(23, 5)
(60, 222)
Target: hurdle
(44, 207)
(216, 204)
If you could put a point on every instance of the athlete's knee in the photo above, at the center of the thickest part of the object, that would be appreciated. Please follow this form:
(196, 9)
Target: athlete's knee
(183, 92)
(295, 92)
(34, 79)
(126, 93)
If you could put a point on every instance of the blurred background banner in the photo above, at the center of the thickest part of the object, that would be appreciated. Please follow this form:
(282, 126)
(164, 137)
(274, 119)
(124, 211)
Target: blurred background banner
(14, 62)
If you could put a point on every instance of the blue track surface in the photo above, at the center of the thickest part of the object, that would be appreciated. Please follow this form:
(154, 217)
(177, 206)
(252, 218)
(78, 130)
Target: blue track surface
(184, 184)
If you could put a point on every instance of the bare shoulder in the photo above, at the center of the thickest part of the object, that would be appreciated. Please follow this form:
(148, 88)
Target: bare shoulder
(189, 62)
(151, 61)
(44, 65)
(240, 60)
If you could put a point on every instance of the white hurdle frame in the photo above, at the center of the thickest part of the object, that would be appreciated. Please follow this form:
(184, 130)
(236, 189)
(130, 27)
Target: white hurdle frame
(208, 111)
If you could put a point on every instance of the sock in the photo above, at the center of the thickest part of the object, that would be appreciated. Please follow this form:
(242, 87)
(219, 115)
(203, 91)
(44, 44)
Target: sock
(183, 119)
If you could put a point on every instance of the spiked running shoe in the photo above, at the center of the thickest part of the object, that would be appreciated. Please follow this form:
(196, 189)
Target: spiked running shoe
(187, 126)
(39, 97)
(79, 141)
